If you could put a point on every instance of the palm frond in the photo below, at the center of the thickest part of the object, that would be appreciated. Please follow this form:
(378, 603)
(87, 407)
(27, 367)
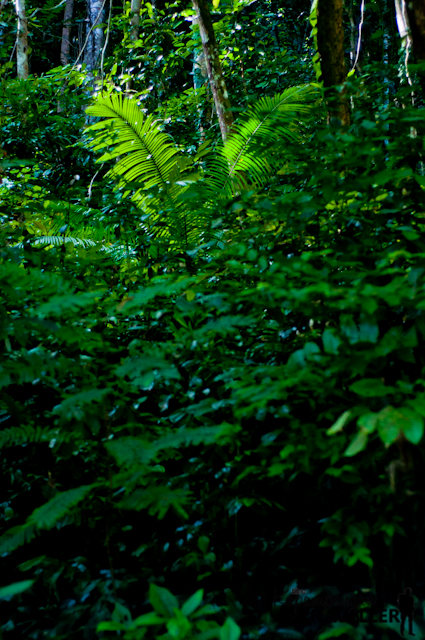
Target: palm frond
(148, 154)
(268, 120)
(148, 161)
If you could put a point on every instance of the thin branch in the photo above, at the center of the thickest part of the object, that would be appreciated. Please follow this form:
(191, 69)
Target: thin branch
(40, 9)
(92, 180)
(359, 41)
(13, 50)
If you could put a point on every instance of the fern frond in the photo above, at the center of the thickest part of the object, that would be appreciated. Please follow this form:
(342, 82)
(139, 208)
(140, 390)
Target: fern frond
(158, 500)
(147, 158)
(58, 240)
(46, 516)
(76, 218)
(60, 217)
(130, 452)
(268, 120)
(21, 435)
(148, 154)
(17, 536)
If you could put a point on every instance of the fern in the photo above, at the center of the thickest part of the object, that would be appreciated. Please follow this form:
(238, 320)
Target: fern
(60, 218)
(131, 451)
(149, 154)
(157, 500)
(17, 536)
(74, 217)
(46, 516)
(244, 154)
(149, 162)
(22, 435)
(59, 240)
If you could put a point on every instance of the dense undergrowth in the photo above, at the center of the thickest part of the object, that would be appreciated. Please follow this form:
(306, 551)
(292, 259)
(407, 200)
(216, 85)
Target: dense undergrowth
(224, 417)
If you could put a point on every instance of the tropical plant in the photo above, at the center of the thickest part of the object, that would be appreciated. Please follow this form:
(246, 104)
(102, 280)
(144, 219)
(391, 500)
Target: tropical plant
(182, 623)
(150, 164)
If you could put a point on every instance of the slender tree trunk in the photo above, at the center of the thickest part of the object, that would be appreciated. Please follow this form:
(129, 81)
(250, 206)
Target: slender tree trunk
(95, 16)
(22, 40)
(415, 12)
(330, 43)
(200, 76)
(404, 29)
(134, 30)
(66, 32)
(66, 41)
(212, 61)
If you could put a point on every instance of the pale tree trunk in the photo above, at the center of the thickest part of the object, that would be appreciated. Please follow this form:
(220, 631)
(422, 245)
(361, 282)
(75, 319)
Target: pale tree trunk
(415, 11)
(134, 29)
(22, 40)
(330, 44)
(200, 76)
(404, 30)
(212, 61)
(95, 16)
(66, 32)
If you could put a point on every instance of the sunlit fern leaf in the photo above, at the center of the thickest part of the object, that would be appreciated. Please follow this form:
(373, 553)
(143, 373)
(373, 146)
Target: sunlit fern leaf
(119, 252)
(268, 120)
(147, 154)
(180, 226)
(59, 240)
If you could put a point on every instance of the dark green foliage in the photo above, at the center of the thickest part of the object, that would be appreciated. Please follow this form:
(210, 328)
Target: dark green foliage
(220, 390)
(202, 390)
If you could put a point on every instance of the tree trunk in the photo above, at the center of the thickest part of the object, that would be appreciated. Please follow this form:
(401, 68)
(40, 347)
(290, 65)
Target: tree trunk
(330, 43)
(95, 16)
(66, 41)
(212, 61)
(22, 40)
(416, 13)
(134, 29)
(415, 18)
(66, 32)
